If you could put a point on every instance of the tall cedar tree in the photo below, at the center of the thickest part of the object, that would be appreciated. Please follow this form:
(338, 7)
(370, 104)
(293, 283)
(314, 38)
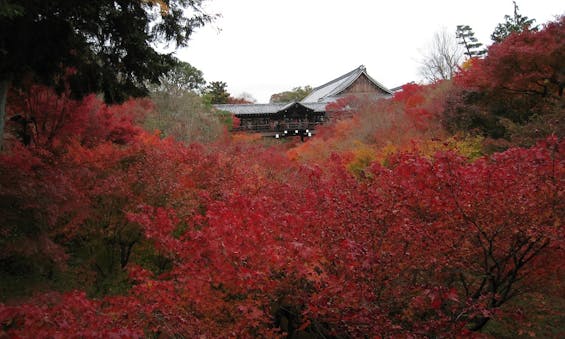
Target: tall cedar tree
(101, 46)
(512, 24)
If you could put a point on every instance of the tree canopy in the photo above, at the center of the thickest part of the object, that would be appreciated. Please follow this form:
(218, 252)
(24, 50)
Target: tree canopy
(516, 89)
(99, 46)
(180, 78)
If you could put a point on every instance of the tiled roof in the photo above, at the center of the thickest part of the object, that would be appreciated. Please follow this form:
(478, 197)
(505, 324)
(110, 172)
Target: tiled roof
(330, 90)
(399, 88)
(316, 106)
(251, 109)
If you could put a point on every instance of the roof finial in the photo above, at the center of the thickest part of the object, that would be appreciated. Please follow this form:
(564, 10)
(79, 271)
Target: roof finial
(362, 67)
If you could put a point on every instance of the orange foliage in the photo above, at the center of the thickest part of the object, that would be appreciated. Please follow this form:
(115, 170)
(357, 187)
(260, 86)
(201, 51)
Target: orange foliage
(246, 137)
(334, 137)
(412, 114)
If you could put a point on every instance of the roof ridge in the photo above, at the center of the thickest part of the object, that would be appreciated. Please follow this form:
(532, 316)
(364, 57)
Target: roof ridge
(345, 85)
(360, 68)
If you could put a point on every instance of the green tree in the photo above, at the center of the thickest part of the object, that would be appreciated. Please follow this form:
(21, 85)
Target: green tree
(216, 93)
(466, 37)
(93, 46)
(185, 117)
(180, 112)
(296, 94)
(179, 79)
(512, 24)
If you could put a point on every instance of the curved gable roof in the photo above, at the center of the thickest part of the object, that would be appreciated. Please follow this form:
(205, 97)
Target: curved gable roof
(335, 87)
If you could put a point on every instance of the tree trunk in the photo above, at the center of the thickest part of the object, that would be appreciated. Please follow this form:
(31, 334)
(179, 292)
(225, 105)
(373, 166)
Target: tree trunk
(4, 86)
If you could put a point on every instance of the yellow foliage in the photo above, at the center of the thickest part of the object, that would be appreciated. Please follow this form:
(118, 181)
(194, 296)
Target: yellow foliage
(469, 147)
(363, 156)
(467, 64)
(385, 152)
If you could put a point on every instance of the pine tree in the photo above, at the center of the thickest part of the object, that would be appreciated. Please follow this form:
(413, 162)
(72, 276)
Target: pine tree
(466, 37)
(216, 93)
(512, 24)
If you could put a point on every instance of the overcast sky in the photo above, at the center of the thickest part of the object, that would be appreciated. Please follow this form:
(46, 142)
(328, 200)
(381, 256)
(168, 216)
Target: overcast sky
(264, 47)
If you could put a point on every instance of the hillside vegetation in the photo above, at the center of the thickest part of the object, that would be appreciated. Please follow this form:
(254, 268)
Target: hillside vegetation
(437, 213)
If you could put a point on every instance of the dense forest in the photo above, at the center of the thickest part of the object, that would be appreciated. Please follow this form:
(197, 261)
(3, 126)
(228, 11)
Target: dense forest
(134, 211)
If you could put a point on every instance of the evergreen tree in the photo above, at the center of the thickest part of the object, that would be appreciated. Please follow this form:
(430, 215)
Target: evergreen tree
(512, 24)
(466, 37)
(92, 46)
(216, 93)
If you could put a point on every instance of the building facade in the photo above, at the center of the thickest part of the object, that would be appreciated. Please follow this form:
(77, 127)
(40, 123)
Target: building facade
(301, 118)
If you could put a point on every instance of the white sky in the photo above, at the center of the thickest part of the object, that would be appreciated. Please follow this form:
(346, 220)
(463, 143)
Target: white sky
(264, 47)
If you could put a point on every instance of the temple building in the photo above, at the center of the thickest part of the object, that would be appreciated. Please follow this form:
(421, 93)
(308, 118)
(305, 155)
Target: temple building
(301, 118)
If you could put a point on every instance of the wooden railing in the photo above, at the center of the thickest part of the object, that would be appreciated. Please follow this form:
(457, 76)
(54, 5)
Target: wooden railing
(281, 127)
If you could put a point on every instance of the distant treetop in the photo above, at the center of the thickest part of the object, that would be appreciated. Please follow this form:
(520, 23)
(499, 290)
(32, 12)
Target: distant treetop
(512, 24)
(296, 94)
(217, 93)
